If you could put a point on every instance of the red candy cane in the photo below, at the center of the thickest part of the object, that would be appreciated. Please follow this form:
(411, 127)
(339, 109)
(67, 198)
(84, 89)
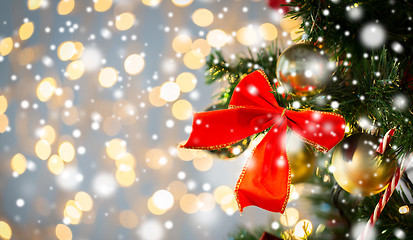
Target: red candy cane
(389, 190)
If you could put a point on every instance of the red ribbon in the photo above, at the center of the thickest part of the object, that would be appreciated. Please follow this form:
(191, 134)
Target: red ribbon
(265, 179)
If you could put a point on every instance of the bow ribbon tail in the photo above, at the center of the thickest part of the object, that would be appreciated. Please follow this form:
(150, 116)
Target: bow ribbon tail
(265, 179)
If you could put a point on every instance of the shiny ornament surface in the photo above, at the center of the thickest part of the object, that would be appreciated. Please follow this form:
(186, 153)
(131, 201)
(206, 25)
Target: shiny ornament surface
(358, 168)
(303, 70)
(301, 157)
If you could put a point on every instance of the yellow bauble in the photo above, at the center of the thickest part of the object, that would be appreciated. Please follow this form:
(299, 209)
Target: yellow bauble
(358, 168)
(301, 157)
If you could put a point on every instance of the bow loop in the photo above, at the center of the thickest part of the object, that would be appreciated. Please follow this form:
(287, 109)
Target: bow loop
(254, 90)
(322, 130)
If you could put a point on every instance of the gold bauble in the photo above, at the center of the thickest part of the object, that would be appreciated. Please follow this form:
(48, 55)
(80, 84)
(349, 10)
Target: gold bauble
(358, 168)
(303, 70)
(301, 157)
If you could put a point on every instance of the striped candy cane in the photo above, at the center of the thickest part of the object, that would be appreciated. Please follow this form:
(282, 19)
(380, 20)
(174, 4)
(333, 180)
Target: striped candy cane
(389, 190)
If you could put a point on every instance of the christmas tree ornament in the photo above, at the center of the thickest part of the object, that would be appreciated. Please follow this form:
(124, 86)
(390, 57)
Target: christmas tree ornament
(266, 177)
(359, 168)
(304, 70)
(232, 150)
(301, 157)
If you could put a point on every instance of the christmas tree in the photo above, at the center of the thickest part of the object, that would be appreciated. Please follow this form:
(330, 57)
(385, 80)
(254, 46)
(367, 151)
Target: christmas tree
(350, 58)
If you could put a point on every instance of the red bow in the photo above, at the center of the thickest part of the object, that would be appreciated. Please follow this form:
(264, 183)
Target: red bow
(265, 179)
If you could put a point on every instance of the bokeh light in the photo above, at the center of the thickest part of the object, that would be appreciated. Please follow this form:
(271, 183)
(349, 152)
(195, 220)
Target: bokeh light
(6, 45)
(185, 154)
(3, 104)
(66, 50)
(46, 89)
(79, 51)
(156, 158)
(182, 109)
(181, 43)
(203, 163)
(75, 70)
(248, 36)
(5, 230)
(303, 229)
(125, 21)
(4, 123)
(34, 4)
(55, 164)
(189, 203)
(202, 17)
(200, 48)
(125, 176)
(116, 148)
(170, 91)
(102, 5)
(26, 30)
(151, 3)
(289, 217)
(126, 159)
(154, 209)
(63, 232)
(193, 60)
(108, 77)
(163, 199)
(84, 200)
(182, 3)
(155, 97)
(178, 189)
(134, 64)
(221, 192)
(48, 133)
(64, 7)
(128, 219)
(43, 149)
(216, 38)
(207, 202)
(19, 163)
(67, 151)
(268, 31)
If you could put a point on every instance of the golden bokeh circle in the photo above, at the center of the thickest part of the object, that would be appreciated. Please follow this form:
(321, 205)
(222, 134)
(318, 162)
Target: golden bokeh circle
(202, 17)
(182, 109)
(108, 76)
(55, 164)
(128, 219)
(67, 151)
(155, 97)
(134, 64)
(102, 5)
(75, 70)
(18, 163)
(6, 45)
(3, 104)
(63, 232)
(26, 30)
(181, 43)
(189, 203)
(124, 21)
(116, 148)
(43, 149)
(216, 38)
